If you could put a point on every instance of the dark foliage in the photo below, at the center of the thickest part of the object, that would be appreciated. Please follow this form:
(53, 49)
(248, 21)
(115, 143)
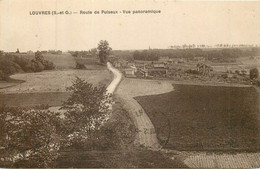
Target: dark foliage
(103, 51)
(214, 55)
(80, 66)
(34, 136)
(10, 64)
(254, 73)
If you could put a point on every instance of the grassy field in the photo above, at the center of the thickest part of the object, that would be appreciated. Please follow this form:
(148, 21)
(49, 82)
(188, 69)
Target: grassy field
(90, 63)
(62, 62)
(206, 118)
(56, 81)
(49, 87)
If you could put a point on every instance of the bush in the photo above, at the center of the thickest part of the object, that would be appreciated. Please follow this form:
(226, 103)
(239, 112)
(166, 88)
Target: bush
(37, 66)
(48, 65)
(2, 75)
(24, 63)
(224, 76)
(80, 66)
(254, 74)
(195, 72)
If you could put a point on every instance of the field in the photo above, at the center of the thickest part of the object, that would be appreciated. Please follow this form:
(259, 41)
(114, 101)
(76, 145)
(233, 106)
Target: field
(49, 87)
(90, 63)
(206, 118)
(61, 62)
(33, 99)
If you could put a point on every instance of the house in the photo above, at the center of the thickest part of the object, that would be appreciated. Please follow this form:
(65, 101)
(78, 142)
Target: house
(129, 64)
(129, 72)
(140, 64)
(159, 65)
(219, 69)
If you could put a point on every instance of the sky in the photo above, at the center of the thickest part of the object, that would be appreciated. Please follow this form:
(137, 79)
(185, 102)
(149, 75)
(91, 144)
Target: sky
(180, 22)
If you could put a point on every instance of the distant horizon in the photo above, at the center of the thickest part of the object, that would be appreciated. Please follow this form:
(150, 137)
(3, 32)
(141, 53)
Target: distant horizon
(207, 47)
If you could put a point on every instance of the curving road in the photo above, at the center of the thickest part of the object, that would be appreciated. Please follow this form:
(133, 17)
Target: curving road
(116, 80)
(146, 135)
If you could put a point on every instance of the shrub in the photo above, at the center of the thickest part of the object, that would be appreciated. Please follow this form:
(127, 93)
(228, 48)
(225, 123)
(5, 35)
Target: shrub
(2, 75)
(7, 66)
(195, 72)
(80, 66)
(24, 63)
(48, 65)
(37, 66)
(254, 73)
(224, 76)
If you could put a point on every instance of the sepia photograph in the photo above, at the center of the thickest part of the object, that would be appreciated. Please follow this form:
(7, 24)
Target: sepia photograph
(129, 84)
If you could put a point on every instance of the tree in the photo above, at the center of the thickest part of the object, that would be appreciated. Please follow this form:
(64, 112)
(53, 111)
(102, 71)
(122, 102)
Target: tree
(87, 109)
(93, 52)
(103, 51)
(254, 73)
(42, 64)
(39, 57)
(17, 51)
(37, 66)
(30, 138)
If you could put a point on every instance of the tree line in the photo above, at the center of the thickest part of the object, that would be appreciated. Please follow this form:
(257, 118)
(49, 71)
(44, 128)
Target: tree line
(13, 63)
(215, 55)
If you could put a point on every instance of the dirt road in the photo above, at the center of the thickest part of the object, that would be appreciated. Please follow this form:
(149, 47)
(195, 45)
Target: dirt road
(116, 80)
(130, 88)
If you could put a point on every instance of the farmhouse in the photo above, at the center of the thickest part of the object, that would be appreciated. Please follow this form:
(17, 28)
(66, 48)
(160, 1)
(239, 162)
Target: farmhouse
(159, 65)
(219, 69)
(130, 72)
(128, 64)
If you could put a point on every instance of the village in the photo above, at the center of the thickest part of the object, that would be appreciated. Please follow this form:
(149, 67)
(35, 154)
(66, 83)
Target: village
(196, 69)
